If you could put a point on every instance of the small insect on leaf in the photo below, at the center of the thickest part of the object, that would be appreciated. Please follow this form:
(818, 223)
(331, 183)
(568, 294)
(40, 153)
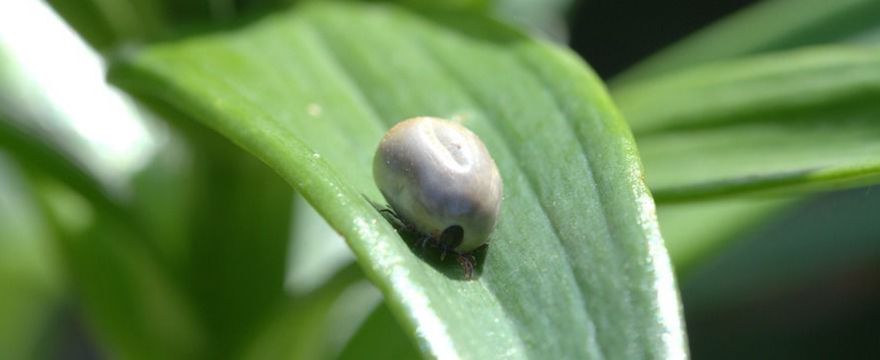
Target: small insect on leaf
(440, 182)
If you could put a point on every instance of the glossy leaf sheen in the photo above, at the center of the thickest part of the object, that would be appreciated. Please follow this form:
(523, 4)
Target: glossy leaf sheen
(576, 267)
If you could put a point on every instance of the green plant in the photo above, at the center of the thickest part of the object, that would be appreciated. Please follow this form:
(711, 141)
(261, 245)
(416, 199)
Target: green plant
(264, 106)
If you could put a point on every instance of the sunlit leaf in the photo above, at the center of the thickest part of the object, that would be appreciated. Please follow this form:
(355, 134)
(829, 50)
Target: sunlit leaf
(576, 267)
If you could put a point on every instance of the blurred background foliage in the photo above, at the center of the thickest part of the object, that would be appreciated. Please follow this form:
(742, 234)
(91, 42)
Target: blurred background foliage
(759, 132)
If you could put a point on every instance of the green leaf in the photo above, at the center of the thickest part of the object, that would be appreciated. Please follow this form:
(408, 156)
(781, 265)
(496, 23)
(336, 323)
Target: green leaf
(240, 221)
(108, 24)
(828, 233)
(380, 337)
(793, 119)
(576, 267)
(199, 235)
(104, 24)
(696, 230)
(545, 17)
(65, 123)
(221, 220)
(765, 27)
(29, 278)
(125, 294)
(136, 312)
(821, 255)
(316, 253)
(328, 295)
(316, 326)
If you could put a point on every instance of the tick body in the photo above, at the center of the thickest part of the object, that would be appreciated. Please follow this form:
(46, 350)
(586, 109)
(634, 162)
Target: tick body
(440, 180)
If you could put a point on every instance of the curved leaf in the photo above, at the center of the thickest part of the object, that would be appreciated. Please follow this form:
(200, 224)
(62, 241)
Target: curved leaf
(222, 221)
(317, 325)
(108, 24)
(821, 255)
(767, 26)
(543, 17)
(183, 258)
(53, 118)
(799, 118)
(695, 230)
(30, 280)
(372, 340)
(576, 267)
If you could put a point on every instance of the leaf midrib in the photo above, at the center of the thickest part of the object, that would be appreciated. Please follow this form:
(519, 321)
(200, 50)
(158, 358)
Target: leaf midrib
(330, 56)
(531, 189)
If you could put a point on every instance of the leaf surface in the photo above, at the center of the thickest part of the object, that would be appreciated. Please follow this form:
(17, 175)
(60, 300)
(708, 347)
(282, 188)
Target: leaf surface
(29, 278)
(576, 267)
(803, 118)
(765, 27)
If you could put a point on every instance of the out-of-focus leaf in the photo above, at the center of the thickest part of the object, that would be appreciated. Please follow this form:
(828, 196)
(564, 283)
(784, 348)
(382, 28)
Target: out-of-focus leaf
(765, 27)
(327, 295)
(800, 118)
(30, 284)
(224, 227)
(380, 337)
(130, 301)
(545, 17)
(693, 230)
(831, 231)
(202, 232)
(135, 310)
(317, 325)
(162, 202)
(311, 92)
(698, 229)
(238, 241)
(802, 285)
(33, 151)
(316, 250)
(66, 122)
(739, 90)
(106, 24)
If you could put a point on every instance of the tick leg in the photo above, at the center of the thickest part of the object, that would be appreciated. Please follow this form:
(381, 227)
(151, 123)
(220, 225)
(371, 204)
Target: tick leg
(389, 212)
(394, 219)
(467, 261)
(423, 242)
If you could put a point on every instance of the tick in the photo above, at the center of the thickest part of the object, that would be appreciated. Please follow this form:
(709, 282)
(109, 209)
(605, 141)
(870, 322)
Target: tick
(441, 183)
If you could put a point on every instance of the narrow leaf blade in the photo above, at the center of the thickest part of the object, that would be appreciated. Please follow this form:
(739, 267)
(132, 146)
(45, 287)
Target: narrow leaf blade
(576, 266)
(765, 27)
(803, 118)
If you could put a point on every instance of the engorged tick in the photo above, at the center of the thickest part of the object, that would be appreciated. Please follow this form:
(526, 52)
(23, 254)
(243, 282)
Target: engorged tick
(440, 182)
